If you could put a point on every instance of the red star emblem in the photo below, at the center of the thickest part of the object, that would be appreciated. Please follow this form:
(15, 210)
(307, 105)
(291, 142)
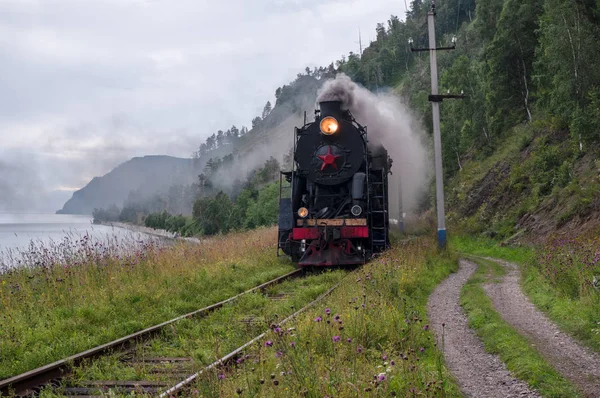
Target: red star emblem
(328, 158)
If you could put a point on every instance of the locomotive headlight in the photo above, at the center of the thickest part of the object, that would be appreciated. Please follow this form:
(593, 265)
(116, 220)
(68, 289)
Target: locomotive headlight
(329, 125)
(303, 212)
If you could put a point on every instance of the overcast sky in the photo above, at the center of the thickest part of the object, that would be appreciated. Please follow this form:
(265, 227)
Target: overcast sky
(87, 84)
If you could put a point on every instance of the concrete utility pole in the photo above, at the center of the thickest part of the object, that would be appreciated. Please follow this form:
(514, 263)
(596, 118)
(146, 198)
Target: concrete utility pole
(437, 135)
(435, 100)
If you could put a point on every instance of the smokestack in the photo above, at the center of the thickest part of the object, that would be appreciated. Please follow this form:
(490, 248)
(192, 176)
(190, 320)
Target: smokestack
(331, 108)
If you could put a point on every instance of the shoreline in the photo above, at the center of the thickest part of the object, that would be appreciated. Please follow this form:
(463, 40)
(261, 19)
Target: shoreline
(161, 233)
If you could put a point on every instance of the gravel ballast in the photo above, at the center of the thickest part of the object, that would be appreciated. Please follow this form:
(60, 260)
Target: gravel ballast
(571, 359)
(478, 373)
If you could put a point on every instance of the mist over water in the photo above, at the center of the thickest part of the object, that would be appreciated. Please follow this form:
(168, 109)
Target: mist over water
(391, 124)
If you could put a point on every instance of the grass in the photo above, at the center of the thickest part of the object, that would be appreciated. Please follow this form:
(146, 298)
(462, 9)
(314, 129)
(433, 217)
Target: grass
(70, 302)
(498, 337)
(369, 338)
(557, 278)
(206, 339)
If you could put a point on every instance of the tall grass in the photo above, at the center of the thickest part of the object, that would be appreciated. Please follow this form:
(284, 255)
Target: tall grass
(369, 338)
(56, 308)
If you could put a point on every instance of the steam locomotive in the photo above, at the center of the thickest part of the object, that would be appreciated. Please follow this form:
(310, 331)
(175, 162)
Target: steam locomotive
(334, 208)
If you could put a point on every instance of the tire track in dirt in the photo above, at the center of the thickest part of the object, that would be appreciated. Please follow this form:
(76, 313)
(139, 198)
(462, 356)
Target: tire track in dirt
(569, 358)
(478, 373)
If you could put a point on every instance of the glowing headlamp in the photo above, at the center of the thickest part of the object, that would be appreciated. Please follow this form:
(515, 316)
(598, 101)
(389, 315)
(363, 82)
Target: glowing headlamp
(303, 212)
(329, 125)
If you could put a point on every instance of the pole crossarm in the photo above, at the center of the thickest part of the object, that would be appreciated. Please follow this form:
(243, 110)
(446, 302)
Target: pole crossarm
(440, 98)
(416, 50)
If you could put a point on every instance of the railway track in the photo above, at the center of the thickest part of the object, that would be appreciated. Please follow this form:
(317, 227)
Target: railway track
(181, 387)
(32, 382)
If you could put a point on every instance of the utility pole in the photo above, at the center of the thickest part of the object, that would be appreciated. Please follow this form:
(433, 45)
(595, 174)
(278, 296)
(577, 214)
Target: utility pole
(400, 205)
(360, 42)
(435, 98)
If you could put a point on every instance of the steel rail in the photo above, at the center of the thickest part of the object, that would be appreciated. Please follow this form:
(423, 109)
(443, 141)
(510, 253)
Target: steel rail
(26, 382)
(233, 354)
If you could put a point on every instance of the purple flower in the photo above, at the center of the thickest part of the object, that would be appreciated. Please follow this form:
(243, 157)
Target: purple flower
(421, 349)
(426, 327)
(336, 339)
(277, 330)
(359, 349)
(392, 362)
(239, 360)
(337, 317)
(327, 311)
(293, 344)
(384, 357)
(268, 343)
(381, 376)
(278, 354)
(318, 319)
(349, 340)
(221, 376)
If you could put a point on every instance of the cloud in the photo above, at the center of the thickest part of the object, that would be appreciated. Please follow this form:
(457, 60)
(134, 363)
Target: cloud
(86, 85)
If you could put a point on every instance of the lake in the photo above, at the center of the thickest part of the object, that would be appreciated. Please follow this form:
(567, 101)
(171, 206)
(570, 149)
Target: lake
(18, 230)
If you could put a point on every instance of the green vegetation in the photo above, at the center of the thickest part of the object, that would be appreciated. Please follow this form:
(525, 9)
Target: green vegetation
(500, 338)
(68, 304)
(249, 205)
(557, 277)
(370, 337)
(211, 337)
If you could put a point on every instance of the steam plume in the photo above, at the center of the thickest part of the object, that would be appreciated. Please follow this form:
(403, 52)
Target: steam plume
(391, 124)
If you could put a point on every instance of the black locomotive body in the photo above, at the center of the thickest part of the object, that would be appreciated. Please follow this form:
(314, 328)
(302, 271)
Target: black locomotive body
(334, 211)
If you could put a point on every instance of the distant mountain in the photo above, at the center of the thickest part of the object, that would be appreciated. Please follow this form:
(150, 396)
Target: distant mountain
(146, 175)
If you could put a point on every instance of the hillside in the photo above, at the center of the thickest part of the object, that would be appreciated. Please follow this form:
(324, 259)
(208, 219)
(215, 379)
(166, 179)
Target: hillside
(146, 175)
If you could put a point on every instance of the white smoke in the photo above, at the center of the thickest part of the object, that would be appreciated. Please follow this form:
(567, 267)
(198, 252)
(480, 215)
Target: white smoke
(391, 124)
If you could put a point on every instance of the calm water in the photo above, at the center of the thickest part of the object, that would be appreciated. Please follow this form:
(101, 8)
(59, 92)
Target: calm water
(18, 230)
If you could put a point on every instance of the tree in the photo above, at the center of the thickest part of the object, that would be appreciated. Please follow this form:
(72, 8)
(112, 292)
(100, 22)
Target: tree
(510, 58)
(568, 63)
(256, 122)
(213, 214)
(220, 138)
(266, 110)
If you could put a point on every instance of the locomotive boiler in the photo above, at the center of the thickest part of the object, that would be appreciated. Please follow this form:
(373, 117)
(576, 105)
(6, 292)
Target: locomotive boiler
(334, 208)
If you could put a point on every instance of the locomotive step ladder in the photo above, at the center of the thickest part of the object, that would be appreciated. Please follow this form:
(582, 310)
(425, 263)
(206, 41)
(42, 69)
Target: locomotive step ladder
(378, 211)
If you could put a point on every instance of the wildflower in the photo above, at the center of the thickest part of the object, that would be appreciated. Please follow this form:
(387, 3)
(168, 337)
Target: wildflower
(239, 360)
(426, 327)
(392, 362)
(293, 344)
(384, 357)
(275, 382)
(359, 349)
(336, 339)
(349, 340)
(327, 311)
(381, 377)
(336, 317)
(268, 343)
(221, 376)
(277, 330)
(278, 354)
(318, 319)
(421, 349)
